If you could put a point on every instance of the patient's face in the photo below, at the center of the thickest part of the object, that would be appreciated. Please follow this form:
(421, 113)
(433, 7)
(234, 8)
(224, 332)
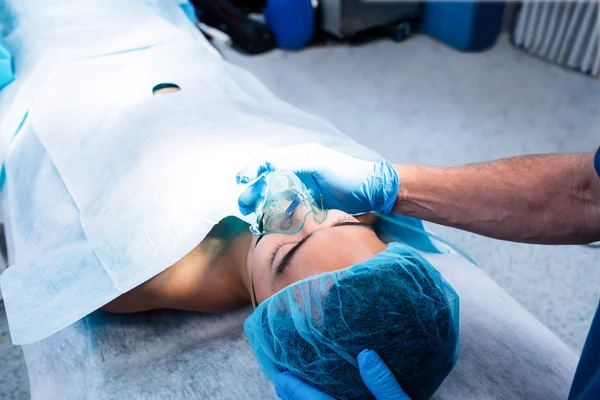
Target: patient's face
(279, 260)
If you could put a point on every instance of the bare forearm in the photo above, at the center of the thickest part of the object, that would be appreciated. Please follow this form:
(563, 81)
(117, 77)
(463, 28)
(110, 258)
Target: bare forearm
(546, 199)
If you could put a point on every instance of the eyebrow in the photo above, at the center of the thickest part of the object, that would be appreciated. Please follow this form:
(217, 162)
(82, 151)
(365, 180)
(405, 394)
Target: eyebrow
(287, 259)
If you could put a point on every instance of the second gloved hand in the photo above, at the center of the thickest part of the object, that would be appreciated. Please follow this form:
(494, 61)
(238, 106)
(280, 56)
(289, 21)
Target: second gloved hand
(376, 376)
(345, 183)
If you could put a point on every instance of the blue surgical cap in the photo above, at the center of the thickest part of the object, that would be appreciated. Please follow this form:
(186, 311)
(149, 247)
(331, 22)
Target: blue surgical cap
(396, 303)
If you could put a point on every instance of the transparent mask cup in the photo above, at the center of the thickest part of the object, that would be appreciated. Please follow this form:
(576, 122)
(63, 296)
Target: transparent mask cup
(285, 206)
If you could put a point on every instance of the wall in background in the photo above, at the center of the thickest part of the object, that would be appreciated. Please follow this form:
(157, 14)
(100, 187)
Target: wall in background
(510, 14)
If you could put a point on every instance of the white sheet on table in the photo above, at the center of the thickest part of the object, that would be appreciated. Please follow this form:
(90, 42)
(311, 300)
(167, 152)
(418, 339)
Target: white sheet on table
(46, 33)
(141, 178)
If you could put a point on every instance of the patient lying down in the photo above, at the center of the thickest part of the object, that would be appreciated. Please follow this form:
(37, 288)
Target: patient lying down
(321, 296)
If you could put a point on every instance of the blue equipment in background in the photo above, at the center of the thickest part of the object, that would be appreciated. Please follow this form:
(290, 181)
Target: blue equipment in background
(466, 26)
(291, 24)
(291, 21)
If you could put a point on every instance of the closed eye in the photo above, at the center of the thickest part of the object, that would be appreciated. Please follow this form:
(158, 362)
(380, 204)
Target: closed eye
(276, 250)
(286, 260)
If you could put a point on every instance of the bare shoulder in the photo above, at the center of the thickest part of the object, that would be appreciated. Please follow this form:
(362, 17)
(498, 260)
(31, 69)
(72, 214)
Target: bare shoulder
(155, 292)
(206, 279)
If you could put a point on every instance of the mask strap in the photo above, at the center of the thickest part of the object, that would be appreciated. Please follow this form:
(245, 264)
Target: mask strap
(300, 197)
(253, 292)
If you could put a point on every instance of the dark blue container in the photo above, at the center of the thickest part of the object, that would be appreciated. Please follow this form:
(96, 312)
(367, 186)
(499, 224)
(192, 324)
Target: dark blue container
(466, 26)
(291, 21)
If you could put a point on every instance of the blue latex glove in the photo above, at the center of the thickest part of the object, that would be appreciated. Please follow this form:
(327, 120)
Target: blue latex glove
(345, 183)
(375, 374)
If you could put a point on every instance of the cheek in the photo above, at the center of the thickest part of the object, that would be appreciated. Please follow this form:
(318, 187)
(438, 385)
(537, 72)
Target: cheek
(292, 276)
(259, 268)
(256, 265)
(259, 255)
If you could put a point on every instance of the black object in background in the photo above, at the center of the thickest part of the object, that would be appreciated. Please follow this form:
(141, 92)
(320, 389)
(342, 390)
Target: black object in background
(250, 6)
(251, 36)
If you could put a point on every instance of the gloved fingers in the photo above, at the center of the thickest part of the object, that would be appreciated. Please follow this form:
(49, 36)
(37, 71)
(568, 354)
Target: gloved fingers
(378, 378)
(301, 158)
(252, 171)
(248, 200)
(288, 387)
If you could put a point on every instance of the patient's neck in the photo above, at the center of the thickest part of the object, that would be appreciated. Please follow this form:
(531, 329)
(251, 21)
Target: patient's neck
(210, 278)
(217, 279)
(228, 244)
(239, 246)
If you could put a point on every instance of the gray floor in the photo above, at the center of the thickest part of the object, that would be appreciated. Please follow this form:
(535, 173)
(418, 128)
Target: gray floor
(13, 373)
(422, 102)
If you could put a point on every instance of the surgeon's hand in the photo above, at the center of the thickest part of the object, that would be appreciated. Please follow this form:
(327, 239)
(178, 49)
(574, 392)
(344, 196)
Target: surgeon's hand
(376, 376)
(345, 183)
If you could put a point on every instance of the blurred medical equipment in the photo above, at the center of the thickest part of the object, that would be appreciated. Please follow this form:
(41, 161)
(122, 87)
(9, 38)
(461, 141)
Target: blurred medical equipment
(251, 36)
(565, 33)
(7, 71)
(292, 22)
(346, 18)
(287, 24)
(83, 228)
(464, 25)
(214, 34)
(284, 204)
(360, 186)
(396, 304)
